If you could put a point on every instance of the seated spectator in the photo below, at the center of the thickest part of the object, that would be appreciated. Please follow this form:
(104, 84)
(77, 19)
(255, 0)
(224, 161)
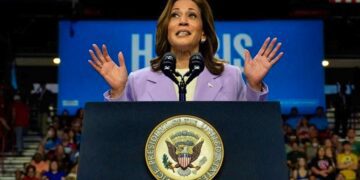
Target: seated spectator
(288, 133)
(294, 119)
(30, 173)
(50, 142)
(67, 143)
(302, 130)
(40, 165)
(56, 125)
(327, 143)
(347, 162)
(313, 132)
(319, 120)
(76, 127)
(331, 155)
(295, 153)
(62, 159)
(321, 166)
(351, 137)
(301, 171)
(311, 148)
(336, 143)
(54, 173)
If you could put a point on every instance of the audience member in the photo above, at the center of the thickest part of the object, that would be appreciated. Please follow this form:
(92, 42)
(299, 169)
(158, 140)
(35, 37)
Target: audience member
(347, 162)
(321, 166)
(21, 116)
(54, 173)
(294, 118)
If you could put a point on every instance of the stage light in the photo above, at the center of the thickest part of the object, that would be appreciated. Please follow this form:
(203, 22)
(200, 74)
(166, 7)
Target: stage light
(56, 61)
(325, 63)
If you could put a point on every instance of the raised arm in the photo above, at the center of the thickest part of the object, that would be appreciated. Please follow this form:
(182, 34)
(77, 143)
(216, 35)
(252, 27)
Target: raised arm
(115, 75)
(256, 68)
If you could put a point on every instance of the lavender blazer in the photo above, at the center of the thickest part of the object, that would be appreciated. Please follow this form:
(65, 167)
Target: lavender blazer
(147, 85)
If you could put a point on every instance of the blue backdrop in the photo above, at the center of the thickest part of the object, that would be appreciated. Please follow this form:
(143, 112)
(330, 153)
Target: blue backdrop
(297, 80)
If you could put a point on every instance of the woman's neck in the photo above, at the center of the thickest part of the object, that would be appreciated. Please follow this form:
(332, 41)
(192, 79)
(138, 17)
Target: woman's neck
(183, 58)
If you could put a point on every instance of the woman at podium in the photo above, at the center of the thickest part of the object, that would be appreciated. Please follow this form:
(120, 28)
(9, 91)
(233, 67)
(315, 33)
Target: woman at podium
(186, 27)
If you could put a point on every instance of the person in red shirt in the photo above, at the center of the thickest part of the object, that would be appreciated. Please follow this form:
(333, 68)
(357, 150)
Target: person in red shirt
(30, 173)
(20, 114)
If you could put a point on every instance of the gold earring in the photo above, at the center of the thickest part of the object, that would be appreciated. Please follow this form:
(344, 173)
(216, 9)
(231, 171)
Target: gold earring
(203, 40)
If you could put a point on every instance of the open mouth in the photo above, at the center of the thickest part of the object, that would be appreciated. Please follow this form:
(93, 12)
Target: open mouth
(183, 33)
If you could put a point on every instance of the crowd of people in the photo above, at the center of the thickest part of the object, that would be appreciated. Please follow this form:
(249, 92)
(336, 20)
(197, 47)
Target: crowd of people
(57, 156)
(316, 151)
(58, 153)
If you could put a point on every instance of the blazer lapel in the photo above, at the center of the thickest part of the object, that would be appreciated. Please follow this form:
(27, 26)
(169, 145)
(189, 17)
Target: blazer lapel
(160, 87)
(207, 87)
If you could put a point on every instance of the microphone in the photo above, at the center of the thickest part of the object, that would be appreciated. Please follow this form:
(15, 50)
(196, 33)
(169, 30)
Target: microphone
(167, 66)
(196, 66)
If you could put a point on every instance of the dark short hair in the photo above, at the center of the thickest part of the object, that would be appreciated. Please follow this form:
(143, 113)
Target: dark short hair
(30, 167)
(346, 143)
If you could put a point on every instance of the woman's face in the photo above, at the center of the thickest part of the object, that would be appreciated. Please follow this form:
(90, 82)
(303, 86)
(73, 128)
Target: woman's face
(31, 172)
(65, 137)
(321, 152)
(185, 26)
(54, 166)
(328, 143)
(37, 158)
(51, 133)
(328, 152)
(301, 162)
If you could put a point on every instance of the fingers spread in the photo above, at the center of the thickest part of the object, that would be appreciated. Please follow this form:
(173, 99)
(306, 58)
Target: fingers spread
(99, 53)
(96, 67)
(247, 55)
(276, 59)
(270, 47)
(275, 50)
(121, 59)
(106, 54)
(263, 47)
(94, 58)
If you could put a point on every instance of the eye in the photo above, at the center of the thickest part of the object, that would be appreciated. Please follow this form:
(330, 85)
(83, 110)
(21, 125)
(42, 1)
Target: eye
(174, 15)
(192, 15)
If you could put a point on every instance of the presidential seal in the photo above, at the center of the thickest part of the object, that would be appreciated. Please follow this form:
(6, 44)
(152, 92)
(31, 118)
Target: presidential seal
(184, 147)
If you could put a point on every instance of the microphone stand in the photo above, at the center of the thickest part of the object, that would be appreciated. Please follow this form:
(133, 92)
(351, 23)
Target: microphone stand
(182, 87)
(168, 68)
(182, 90)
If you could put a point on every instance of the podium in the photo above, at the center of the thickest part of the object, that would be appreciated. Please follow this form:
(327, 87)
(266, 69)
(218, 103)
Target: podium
(115, 134)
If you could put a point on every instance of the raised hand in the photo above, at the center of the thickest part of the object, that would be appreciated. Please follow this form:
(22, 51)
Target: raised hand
(116, 76)
(256, 69)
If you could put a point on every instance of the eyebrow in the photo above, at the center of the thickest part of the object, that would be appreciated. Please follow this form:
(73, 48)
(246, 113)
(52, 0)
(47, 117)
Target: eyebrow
(192, 9)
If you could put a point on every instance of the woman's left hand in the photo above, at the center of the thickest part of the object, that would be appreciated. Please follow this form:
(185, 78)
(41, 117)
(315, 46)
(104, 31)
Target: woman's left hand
(256, 69)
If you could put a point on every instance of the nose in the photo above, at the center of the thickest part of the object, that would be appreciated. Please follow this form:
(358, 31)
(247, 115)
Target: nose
(183, 21)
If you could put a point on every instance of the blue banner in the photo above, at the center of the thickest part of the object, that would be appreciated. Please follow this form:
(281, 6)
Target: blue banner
(296, 80)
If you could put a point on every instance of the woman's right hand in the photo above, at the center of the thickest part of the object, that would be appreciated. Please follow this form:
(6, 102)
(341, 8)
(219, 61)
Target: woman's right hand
(116, 76)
